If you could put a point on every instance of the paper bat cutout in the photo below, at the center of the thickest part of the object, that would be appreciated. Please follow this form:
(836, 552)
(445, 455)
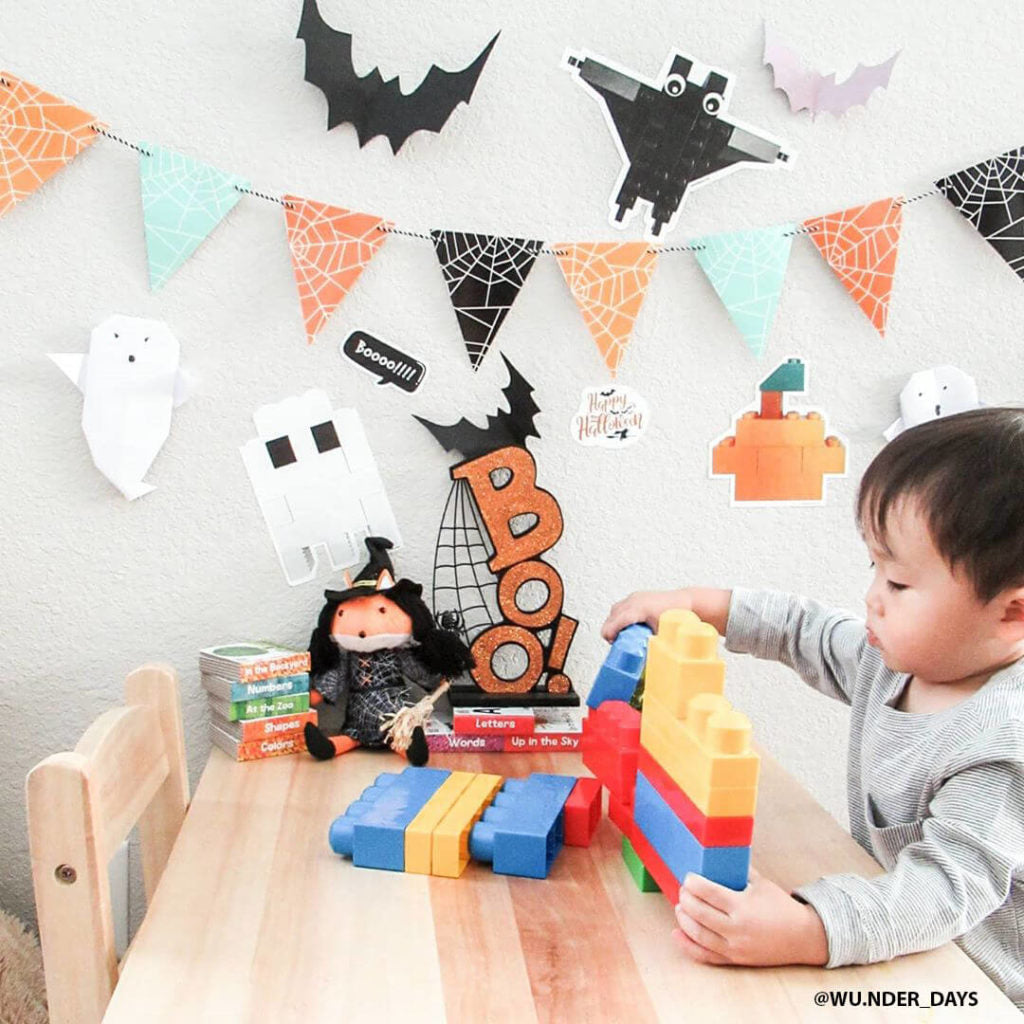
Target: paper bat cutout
(371, 104)
(503, 428)
(809, 90)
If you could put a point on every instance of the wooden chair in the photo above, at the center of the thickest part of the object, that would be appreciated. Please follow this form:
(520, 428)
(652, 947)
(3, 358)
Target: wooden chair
(127, 769)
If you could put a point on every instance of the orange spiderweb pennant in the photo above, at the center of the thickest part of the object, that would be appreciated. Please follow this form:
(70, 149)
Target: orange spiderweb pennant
(860, 244)
(609, 281)
(39, 135)
(330, 248)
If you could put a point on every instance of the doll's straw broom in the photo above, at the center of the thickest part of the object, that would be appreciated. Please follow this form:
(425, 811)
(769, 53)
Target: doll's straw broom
(399, 727)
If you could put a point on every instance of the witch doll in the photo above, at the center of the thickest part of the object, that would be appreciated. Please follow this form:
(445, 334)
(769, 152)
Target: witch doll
(379, 663)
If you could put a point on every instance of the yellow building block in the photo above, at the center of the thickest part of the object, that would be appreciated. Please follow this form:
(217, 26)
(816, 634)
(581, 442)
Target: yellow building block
(419, 832)
(707, 755)
(449, 852)
(682, 661)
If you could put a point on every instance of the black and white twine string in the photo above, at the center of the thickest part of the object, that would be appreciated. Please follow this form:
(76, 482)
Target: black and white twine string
(802, 229)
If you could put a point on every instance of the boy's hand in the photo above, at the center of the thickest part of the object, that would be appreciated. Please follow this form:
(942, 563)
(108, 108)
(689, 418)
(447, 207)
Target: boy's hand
(709, 604)
(643, 606)
(763, 926)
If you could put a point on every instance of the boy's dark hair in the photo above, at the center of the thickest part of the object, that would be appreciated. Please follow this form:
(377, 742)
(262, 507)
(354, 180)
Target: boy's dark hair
(967, 473)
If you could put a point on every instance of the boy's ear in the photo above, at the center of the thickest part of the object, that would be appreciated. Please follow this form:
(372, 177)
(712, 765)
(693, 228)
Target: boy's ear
(1013, 606)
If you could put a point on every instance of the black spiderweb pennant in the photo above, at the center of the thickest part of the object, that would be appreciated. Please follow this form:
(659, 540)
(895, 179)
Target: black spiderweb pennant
(484, 274)
(991, 196)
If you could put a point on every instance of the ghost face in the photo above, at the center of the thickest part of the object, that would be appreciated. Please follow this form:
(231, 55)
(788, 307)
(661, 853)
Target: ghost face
(938, 392)
(129, 353)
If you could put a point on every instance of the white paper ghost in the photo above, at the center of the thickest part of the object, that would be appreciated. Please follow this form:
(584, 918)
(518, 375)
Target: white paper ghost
(930, 394)
(131, 382)
(317, 484)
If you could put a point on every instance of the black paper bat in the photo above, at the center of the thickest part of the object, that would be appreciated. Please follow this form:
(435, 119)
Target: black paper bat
(375, 106)
(503, 428)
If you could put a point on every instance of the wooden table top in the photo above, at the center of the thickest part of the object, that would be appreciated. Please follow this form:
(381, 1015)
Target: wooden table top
(256, 919)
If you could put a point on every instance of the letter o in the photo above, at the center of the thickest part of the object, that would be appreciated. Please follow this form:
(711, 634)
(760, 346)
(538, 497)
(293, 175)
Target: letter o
(486, 646)
(513, 580)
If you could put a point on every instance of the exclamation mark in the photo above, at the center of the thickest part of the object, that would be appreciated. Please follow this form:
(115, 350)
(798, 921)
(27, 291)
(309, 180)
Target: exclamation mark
(560, 641)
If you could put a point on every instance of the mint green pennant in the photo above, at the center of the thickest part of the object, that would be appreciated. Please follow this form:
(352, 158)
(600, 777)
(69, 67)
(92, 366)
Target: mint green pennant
(747, 269)
(183, 200)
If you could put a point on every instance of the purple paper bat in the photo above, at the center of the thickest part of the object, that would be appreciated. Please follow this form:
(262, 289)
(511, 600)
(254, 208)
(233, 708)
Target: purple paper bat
(809, 90)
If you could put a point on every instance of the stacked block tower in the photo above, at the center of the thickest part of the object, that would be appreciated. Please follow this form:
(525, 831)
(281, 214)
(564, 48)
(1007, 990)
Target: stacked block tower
(777, 456)
(681, 775)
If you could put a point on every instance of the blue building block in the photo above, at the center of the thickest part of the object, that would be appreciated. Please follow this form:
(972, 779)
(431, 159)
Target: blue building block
(524, 828)
(679, 848)
(623, 666)
(372, 829)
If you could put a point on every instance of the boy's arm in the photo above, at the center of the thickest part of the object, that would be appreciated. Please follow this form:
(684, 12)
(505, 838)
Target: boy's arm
(956, 872)
(824, 645)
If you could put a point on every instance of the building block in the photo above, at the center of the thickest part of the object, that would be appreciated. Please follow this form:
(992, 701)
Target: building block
(611, 738)
(666, 881)
(708, 831)
(420, 831)
(623, 666)
(682, 661)
(787, 376)
(620, 815)
(372, 829)
(522, 831)
(582, 812)
(791, 431)
(677, 847)
(713, 738)
(644, 879)
(449, 850)
(671, 743)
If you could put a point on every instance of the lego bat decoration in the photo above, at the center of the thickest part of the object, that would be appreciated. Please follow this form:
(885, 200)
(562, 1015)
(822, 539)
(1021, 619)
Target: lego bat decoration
(503, 428)
(671, 133)
(810, 90)
(371, 104)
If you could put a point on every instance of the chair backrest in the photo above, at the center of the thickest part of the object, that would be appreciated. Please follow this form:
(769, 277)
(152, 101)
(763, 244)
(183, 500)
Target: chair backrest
(128, 768)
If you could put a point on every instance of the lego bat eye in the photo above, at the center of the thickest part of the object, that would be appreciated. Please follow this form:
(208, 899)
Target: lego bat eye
(325, 436)
(712, 103)
(674, 85)
(281, 452)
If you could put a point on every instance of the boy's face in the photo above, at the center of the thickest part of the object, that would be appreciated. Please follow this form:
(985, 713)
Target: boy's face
(924, 618)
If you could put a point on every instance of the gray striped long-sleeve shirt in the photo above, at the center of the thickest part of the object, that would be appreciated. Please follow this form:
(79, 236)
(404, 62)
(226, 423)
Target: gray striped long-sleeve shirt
(937, 799)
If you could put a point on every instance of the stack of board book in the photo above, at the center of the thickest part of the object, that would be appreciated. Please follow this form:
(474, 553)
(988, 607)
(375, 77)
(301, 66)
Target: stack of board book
(259, 698)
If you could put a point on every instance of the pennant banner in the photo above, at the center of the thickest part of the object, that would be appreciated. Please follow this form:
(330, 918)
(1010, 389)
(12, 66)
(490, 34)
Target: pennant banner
(330, 248)
(860, 244)
(609, 281)
(747, 269)
(991, 196)
(39, 135)
(183, 200)
(484, 274)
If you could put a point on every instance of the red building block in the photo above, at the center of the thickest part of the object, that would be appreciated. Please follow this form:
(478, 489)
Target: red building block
(620, 815)
(611, 739)
(582, 812)
(708, 831)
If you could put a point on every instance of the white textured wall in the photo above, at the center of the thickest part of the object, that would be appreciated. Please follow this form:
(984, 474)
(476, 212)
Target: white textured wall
(92, 585)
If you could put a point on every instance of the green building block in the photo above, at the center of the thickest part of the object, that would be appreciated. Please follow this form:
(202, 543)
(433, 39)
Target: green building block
(642, 877)
(788, 376)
